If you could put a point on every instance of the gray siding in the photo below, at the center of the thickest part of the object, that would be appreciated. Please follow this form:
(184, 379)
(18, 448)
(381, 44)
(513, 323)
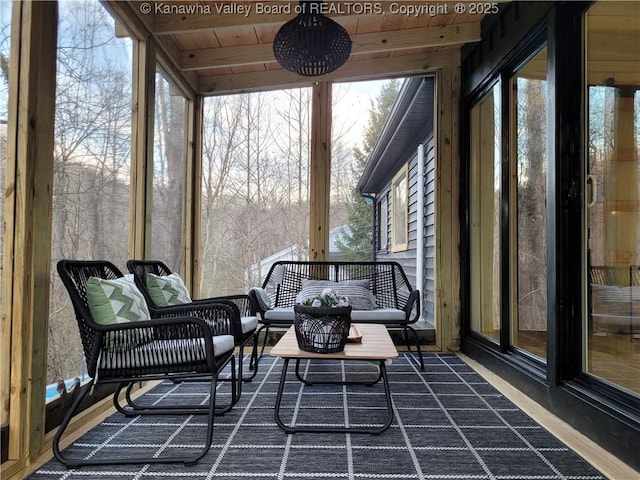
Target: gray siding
(407, 258)
(429, 276)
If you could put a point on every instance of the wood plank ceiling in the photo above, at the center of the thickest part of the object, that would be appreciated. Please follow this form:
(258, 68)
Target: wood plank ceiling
(224, 47)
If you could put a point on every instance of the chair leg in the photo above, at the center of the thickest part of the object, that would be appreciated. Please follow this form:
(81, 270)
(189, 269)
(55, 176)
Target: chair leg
(73, 463)
(136, 409)
(264, 340)
(415, 337)
(63, 426)
(253, 363)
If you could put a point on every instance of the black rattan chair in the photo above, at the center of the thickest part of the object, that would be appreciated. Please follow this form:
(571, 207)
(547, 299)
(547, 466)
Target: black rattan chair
(243, 305)
(178, 343)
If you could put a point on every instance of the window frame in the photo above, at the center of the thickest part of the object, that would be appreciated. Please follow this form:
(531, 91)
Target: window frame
(400, 180)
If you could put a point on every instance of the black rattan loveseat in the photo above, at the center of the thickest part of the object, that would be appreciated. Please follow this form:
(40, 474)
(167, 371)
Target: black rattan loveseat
(397, 303)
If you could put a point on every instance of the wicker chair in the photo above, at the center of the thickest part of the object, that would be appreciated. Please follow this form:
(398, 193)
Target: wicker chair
(243, 305)
(178, 343)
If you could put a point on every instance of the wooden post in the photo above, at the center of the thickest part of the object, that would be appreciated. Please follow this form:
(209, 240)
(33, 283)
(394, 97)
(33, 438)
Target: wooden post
(447, 201)
(320, 172)
(194, 195)
(28, 218)
(142, 145)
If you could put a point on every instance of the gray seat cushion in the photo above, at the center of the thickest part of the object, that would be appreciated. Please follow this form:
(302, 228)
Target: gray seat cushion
(378, 315)
(280, 314)
(175, 351)
(249, 324)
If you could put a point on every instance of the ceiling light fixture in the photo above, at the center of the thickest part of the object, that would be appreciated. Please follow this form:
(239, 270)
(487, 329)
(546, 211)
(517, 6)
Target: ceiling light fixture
(311, 44)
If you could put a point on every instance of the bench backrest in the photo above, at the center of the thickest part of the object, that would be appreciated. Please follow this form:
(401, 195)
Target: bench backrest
(623, 276)
(388, 282)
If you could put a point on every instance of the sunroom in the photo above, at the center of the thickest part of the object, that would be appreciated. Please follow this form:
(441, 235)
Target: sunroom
(120, 119)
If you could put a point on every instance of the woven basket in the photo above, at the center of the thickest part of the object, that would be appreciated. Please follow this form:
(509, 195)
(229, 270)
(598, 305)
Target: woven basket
(322, 329)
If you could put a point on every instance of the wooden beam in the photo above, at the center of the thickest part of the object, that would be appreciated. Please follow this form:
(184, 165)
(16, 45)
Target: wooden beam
(9, 217)
(140, 25)
(171, 24)
(196, 200)
(320, 172)
(447, 301)
(192, 190)
(352, 71)
(186, 17)
(142, 145)
(29, 205)
(362, 44)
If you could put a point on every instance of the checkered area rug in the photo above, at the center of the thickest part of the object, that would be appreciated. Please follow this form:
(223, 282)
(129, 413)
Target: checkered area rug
(449, 423)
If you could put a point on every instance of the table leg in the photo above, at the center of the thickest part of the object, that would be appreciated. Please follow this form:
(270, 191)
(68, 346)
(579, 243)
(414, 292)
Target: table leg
(334, 429)
(335, 382)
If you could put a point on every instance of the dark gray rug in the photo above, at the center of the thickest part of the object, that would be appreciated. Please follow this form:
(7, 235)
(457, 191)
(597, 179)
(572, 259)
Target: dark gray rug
(449, 424)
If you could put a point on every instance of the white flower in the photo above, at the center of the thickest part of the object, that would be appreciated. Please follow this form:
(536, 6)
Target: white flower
(327, 298)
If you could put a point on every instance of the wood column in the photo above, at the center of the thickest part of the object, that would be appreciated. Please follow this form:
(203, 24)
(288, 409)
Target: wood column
(320, 172)
(447, 204)
(194, 197)
(144, 88)
(28, 219)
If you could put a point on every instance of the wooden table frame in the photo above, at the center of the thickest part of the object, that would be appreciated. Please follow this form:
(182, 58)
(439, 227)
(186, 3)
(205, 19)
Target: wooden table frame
(376, 346)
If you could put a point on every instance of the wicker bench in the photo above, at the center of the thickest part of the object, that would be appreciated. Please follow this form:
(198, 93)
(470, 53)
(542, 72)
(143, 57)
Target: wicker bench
(397, 303)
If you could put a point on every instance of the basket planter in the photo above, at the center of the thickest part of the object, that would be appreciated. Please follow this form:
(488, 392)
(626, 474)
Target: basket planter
(322, 329)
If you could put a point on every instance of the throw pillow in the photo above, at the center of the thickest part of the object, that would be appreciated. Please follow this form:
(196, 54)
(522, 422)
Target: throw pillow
(116, 301)
(167, 290)
(357, 291)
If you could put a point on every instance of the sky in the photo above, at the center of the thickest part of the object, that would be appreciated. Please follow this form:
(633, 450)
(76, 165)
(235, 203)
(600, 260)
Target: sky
(353, 107)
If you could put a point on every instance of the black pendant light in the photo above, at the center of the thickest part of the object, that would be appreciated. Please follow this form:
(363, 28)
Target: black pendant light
(311, 44)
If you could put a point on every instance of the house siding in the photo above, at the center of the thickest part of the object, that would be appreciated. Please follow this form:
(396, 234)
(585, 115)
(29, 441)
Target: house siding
(429, 265)
(407, 258)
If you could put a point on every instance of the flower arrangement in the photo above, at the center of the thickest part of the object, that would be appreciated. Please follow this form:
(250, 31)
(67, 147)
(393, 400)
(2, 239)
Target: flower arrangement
(327, 298)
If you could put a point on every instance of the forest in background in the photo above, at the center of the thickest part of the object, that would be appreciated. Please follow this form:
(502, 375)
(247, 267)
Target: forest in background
(254, 170)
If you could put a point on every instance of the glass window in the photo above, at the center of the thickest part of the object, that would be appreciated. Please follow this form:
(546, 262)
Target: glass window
(383, 223)
(612, 320)
(255, 179)
(92, 163)
(485, 214)
(529, 184)
(169, 173)
(399, 210)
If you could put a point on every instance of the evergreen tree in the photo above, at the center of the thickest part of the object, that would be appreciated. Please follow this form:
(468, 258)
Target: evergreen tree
(356, 245)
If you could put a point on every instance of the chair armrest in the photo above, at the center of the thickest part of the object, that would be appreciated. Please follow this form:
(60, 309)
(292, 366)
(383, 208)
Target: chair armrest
(222, 318)
(245, 303)
(412, 302)
(126, 337)
(261, 300)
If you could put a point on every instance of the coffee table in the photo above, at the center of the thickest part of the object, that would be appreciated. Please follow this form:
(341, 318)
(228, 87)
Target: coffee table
(376, 346)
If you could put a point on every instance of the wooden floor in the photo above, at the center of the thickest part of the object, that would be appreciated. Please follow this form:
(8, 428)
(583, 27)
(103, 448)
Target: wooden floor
(616, 358)
(611, 356)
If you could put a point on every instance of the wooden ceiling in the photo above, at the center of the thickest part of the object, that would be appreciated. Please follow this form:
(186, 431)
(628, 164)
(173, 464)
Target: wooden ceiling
(222, 47)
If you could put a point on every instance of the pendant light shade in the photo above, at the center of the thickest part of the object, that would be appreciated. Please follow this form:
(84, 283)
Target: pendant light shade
(311, 44)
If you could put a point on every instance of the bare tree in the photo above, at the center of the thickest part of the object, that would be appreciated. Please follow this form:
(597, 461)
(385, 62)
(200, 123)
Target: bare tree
(91, 164)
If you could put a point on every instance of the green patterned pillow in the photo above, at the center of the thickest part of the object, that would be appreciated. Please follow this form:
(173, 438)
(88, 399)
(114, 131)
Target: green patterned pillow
(116, 301)
(167, 290)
